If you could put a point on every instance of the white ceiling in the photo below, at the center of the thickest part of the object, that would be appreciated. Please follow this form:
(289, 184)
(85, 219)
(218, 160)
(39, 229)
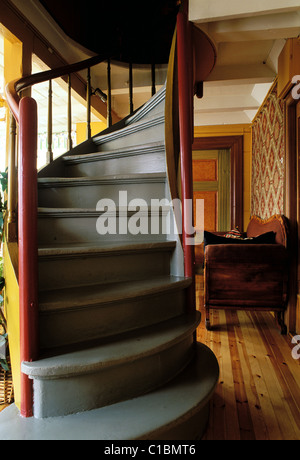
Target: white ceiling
(248, 37)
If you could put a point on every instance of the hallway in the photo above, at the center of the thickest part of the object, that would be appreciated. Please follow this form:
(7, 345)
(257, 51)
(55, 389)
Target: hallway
(258, 395)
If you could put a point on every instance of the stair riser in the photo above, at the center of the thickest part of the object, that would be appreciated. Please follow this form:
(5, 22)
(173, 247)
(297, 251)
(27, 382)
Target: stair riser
(152, 163)
(62, 272)
(59, 397)
(87, 197)
(94, 322)
(57, 230)
(128, 138)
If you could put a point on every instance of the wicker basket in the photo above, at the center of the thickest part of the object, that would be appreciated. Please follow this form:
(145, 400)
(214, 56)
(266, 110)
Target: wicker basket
(6, 386)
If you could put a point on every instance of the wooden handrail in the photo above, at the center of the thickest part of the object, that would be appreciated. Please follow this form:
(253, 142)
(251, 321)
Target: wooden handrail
(171, 122)
(16, 86)
(41, 77)
(185, 101)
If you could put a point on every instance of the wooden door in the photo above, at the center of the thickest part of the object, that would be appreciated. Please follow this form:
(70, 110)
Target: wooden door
(211, 183)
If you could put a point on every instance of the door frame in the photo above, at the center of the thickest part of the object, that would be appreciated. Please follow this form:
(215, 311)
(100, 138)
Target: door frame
(236, 146)
(291, 209)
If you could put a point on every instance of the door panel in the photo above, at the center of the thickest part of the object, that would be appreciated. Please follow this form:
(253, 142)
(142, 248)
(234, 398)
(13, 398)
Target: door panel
(205, 170)
(210, 210)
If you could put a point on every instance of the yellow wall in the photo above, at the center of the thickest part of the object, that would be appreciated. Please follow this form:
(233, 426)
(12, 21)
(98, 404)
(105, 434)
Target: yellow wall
(13, 50)
(96, 127)
(12, 69)
(11, 304)
(235, 130)
(12, 58)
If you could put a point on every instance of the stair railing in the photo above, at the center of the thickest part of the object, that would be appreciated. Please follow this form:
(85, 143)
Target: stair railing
(188, 68)
(186, 128)
(179, 136)
(22, 222)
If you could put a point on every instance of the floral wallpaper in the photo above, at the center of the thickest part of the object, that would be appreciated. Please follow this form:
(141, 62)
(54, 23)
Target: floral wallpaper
(268, 158)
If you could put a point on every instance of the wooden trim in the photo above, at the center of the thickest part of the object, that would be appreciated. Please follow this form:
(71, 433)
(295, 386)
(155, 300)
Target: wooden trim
(224, 178)
(211, 155)
(209, 186)
(291, 205)
(235, 144)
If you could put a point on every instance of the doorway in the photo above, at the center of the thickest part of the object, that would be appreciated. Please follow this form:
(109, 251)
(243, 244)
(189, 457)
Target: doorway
(211, 183)
(222, 163)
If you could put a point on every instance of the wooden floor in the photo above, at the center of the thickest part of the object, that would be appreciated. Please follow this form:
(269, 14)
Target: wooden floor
(3, 406)
(258, 395)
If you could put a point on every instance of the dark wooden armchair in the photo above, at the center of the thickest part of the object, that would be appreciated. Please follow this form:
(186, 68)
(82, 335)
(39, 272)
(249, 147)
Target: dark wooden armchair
(249, 274)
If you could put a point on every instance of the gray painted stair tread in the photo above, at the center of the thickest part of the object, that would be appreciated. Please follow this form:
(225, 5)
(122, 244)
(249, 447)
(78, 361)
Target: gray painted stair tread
(127, 348)
(105, 247)
(62, 299)
(145, 417)
(61, 212)
(117, 153)
(86, 181)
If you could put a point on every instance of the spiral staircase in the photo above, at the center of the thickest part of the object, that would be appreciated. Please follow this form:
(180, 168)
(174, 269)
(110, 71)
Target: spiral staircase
(118, 357)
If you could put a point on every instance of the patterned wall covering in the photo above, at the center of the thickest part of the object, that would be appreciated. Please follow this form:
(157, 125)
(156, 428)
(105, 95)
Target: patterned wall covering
(268, 158)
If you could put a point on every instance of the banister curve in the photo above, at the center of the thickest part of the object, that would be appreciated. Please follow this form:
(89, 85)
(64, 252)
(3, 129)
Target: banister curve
(40, 77)
(14, 87)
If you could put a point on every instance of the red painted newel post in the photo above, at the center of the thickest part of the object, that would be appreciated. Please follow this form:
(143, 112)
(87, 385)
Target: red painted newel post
(185, 95)
(28, 251)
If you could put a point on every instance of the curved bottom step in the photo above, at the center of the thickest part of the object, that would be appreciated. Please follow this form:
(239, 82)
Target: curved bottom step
(177, 411)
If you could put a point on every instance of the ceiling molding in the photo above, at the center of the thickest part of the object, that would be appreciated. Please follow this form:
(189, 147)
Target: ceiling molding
(201, 11)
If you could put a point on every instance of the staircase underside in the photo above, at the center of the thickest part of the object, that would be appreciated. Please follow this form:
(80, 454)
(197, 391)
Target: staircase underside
(138, 32)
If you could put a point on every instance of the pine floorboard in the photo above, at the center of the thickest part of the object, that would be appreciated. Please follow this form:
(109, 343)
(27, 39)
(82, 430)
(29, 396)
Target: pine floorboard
(258, 394)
